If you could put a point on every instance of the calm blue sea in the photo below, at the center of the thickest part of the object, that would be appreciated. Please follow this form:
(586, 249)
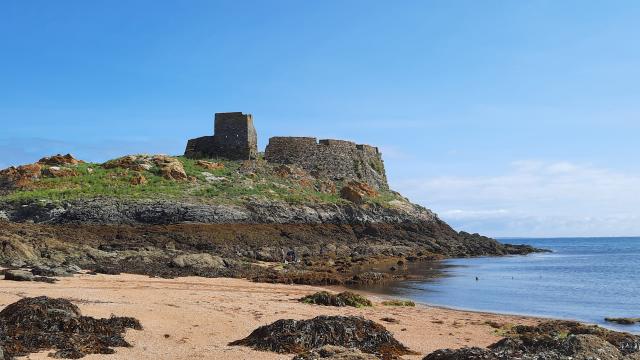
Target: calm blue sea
(584, 279)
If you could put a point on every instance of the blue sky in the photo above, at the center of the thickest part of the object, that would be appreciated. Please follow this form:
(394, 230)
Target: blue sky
(510, 118)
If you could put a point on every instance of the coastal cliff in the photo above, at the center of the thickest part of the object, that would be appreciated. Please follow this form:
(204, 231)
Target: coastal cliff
(169, 216)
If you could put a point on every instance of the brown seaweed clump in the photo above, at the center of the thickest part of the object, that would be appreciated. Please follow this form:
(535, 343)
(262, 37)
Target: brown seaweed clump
(562, 340)
(342, 299)
(298, 336)
(42, 323)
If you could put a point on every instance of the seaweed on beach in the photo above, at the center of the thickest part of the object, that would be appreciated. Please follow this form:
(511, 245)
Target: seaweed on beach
(552, 340)
(342, 299)
(298, 336)
(42, 323)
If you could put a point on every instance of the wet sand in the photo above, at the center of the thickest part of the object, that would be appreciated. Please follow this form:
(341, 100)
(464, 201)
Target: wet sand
(195, 318)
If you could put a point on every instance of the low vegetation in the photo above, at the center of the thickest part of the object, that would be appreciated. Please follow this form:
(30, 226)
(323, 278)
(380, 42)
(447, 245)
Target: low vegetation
(231, 182)
(398, 303)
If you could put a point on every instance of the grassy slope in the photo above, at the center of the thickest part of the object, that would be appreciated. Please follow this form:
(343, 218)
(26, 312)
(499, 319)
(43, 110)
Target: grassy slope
(236, 188)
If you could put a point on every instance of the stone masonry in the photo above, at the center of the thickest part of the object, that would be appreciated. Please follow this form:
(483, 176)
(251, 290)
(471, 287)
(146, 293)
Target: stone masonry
(337, 160)
(234, 138)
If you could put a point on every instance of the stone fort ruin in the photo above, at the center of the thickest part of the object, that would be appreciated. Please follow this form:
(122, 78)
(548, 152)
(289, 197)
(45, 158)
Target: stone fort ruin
(235, 138)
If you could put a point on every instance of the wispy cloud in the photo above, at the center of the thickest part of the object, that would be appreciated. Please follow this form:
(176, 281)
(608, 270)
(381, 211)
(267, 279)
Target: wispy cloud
(536, 198)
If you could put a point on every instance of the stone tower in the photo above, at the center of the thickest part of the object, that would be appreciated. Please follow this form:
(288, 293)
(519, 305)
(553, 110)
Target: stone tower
(234, 138)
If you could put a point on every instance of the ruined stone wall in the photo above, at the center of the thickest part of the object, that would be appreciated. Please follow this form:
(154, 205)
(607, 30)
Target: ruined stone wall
(335, 159)
(234, 138)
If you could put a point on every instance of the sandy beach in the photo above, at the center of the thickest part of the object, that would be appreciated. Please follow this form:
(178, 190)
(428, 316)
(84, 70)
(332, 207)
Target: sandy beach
(195, 318)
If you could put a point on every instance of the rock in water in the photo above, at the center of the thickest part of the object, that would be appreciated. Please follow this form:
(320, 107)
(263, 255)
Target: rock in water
(298, 336)
(41, 323)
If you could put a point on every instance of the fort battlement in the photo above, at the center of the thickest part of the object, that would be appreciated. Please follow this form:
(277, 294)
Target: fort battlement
(235, 138)
(335, 159)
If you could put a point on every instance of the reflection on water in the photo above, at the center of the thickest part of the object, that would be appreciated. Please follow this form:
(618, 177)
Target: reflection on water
(585, 279)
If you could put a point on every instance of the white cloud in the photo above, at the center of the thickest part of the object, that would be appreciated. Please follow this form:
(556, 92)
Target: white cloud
(536, 198)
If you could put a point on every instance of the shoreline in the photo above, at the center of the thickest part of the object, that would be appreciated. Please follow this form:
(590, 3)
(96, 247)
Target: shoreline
(195, 318)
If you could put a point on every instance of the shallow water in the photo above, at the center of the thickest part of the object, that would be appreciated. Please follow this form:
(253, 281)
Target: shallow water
(585, 279)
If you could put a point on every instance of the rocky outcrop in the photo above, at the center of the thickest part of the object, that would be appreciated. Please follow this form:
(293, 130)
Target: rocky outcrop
(60, 160)
(114, 211)
(358, 192)
(19, 177)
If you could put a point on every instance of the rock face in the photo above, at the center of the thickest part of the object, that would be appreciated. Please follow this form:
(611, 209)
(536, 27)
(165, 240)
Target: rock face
(37, 324)
(557, 340)
(299, 336)
(357, 192)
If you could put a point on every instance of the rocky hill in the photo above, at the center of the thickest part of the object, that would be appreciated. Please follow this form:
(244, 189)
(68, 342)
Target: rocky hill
(172, 216)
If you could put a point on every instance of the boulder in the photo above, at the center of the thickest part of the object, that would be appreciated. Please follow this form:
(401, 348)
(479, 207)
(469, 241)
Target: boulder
(59, 172)
(18, 275)
(299, 336)
(198, 261)
(330, 352)
(130, 162)
(60, 160)
(210, 165)
(171, 168)
(357, 192)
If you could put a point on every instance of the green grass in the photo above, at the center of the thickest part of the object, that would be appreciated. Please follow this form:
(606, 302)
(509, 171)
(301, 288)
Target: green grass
(236, 188)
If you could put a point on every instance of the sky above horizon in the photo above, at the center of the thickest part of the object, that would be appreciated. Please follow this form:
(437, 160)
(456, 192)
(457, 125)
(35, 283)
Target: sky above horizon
(508, 118)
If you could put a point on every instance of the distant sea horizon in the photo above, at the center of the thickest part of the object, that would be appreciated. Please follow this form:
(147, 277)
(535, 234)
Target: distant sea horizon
(583, 278)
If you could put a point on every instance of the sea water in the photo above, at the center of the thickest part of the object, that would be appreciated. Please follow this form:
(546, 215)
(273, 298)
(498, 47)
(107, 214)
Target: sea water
(585, 279)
